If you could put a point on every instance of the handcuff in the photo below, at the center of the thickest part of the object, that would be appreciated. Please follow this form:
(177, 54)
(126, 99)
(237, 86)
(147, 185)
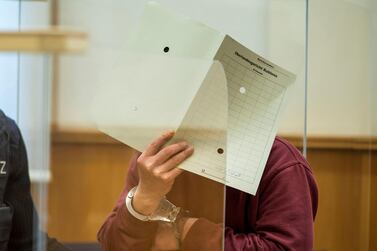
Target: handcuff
(166, 213)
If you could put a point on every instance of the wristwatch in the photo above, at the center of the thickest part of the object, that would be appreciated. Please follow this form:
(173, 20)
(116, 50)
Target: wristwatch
(166, 211)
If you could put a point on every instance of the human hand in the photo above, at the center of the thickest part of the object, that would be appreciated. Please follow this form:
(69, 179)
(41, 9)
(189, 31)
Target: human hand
(157, 169)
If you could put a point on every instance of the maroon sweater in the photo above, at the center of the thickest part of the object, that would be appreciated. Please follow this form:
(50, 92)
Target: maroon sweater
(279, 217)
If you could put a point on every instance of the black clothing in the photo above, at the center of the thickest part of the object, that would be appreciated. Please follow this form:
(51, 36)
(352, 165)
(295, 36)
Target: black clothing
(17, 192)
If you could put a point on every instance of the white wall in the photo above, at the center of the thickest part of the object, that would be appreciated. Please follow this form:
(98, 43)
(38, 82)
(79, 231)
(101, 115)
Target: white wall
(372, 8)
(338, 68)
(338, 54)
(8, 61)
(34, 95)
(108, 23)
(286, 47)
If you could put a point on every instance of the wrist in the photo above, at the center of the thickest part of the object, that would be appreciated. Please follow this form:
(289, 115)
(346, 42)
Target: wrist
(144, 203)
(151, 209)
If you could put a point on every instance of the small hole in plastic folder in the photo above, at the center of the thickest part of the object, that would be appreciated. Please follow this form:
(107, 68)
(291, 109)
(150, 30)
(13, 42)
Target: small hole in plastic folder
(242, 90)
(166, 49)
(220, 150)
(134, 108)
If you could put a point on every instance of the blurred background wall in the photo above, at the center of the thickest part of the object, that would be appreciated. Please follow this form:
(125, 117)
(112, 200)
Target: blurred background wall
(339, 33)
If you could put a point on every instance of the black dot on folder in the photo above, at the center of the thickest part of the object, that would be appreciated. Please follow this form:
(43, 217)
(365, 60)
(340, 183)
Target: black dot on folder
(166, 49)
(220, 150)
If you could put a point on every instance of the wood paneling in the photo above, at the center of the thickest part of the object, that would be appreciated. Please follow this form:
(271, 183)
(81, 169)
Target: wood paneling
(343, 179)
(53, 40)
(314, 142)
(89, 172)
(86, 182)
(373, 204)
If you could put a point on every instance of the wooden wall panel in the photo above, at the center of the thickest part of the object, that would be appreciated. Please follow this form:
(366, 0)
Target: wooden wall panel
(342, 219)
(86, 182)
(88, 177)
(373, 203)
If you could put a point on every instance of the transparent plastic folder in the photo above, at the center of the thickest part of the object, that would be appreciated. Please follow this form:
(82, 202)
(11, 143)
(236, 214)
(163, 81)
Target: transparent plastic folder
(229, 104)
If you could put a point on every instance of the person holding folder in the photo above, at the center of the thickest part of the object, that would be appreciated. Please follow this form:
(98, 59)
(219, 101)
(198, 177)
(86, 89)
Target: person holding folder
(279, 217)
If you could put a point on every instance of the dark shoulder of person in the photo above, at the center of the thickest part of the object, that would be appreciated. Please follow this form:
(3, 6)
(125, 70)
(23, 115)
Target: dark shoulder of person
(17, 195)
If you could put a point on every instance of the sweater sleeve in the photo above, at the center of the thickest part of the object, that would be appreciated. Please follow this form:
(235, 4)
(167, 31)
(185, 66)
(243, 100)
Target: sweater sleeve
(285, 219)
(122, 231)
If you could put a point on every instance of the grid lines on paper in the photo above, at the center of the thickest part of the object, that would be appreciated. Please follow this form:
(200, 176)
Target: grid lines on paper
(252, 116)
(202, 128)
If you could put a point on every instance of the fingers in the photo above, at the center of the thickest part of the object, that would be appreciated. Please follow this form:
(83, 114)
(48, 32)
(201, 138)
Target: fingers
(156, 145)
(169, 151)
(174, 173)
(176, 160)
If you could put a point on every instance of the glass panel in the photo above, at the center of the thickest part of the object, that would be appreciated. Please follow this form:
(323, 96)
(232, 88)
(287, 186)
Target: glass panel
(286, 40)
(373, 109)
(341, 115)
(96, 158)
(34, 112)
(99, 160)
(24, 92)
(89, 169)
(9, 16)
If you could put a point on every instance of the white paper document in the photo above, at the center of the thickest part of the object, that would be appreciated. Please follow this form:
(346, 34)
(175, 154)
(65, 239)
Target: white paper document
(221, 97)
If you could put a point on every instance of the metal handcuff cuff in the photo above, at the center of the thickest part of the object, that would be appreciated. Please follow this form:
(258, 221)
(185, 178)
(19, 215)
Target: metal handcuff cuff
(166, 212)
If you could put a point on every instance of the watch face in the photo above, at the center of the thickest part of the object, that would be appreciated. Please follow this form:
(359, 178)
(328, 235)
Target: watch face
(166, 212)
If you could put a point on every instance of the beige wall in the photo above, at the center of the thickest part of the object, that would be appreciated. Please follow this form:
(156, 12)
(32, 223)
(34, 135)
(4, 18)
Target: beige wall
(373, 65)
(338, 55)
(338, 68)
(340, 65)
(108, 25)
